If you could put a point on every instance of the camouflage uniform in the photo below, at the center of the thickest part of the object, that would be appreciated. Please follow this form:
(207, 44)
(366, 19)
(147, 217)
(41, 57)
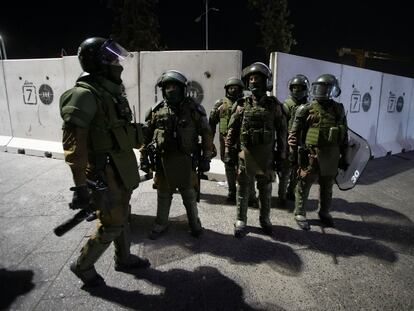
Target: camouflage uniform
(174, 129)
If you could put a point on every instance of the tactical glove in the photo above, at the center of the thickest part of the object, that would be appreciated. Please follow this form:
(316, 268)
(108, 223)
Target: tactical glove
(292, 141)
(144, 165)
(204, 165)
(81, 197)
(343, 164)
(230, 156)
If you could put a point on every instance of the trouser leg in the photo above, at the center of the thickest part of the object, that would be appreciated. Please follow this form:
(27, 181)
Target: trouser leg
(243, 192)
(325, 193)
(164, 199)
(231, 178)
(265, 195)
(302, 193)
(189, 197)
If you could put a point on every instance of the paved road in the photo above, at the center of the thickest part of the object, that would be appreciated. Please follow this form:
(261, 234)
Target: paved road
(365, 263)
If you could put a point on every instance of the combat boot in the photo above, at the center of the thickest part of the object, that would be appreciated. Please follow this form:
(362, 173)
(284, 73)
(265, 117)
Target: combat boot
(302, 222)
(157, 231)
(89, 277)
(132, 262)
(266, 225)
(196, 230)
(326, 219)
(239, 229)
(231, 198)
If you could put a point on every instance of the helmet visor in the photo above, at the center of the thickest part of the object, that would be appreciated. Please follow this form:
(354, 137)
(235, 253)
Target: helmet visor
(115, 54)
(321, 91)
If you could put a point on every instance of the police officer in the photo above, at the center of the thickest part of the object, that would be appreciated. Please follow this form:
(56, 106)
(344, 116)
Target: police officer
(173, 127)
(260, 126)
(98, 138)
(320, 132)
(299, 89)
(220, 114)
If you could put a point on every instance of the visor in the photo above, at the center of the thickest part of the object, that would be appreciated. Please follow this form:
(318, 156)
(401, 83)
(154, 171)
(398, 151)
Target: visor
(114, 54)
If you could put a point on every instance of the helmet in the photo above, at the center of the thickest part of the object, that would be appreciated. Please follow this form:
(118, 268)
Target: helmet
(234, 81)
(302, 81)
(172, 76)
(325, 87)
(94, 53)
(259, 68)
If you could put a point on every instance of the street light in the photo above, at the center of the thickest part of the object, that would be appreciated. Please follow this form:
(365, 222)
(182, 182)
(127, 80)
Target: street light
(3, 54)
(198, 19)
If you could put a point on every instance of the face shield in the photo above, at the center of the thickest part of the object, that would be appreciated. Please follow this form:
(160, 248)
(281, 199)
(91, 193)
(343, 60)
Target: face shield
(114, 54)
(323, 91)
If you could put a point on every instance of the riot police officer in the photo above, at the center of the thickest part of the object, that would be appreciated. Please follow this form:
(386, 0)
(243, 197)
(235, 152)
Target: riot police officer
(260, 126)
(320, 133)
(299, 89)
(98, 138)
(220, 114)
(174, 126)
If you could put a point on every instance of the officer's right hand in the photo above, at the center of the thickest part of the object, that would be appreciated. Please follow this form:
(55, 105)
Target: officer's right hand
(144, 165)
(292, 141)
(81, 197)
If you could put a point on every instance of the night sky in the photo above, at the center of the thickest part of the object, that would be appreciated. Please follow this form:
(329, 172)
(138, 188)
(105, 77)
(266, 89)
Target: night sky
(40, 29)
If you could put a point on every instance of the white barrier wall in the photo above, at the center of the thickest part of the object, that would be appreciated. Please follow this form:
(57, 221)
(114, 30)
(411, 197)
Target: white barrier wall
(286, 66)
(206, 72)
(361, 93)
(410, 125)
(395, 103)
(5, 126)
(34, 88)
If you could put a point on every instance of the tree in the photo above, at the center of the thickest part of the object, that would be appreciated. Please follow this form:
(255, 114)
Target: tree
(135, 25)
(274, 27)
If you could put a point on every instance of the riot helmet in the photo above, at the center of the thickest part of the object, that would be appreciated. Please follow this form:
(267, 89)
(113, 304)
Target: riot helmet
(234, 88)
(99, 55)
(262, 70)
(299, 87)
(325, 87)
(174, 86)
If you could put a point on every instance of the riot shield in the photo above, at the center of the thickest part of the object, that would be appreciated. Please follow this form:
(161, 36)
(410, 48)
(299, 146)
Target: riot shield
(358, 154)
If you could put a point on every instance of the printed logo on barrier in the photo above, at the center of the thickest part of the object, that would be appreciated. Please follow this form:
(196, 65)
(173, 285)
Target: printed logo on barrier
(29, 93)
(195, 91)
(366, 102)
(400, 104)
(391, 102)
(46, 94)
(355, 101)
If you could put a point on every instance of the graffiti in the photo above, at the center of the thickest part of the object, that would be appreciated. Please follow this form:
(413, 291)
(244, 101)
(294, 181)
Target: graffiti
(29, 93)
(355, 101)
(391, 102)
(366, 102)
(45, 94)
(400, 103)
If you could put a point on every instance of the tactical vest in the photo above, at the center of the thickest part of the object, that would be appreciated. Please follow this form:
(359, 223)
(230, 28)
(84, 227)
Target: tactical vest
(176, 130)
(328, 130)
(224, 115)
(111, 133)
(258, 123)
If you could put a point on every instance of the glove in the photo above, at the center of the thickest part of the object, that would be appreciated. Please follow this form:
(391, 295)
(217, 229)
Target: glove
(81, 197)
(292, 140)
(230, 156)
(144, 165)
(204, 165)
(214, 152)
(343, 164)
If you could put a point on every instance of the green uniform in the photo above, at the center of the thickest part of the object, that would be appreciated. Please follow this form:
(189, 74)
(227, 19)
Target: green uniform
(258, 125)
(288, 175)
(175, 131)
(320, 128)
(220, 114)
(98, 142)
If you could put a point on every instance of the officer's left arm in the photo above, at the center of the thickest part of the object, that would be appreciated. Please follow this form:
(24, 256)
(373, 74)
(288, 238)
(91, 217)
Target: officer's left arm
(204, 131)
(281, 132)
(343, 123)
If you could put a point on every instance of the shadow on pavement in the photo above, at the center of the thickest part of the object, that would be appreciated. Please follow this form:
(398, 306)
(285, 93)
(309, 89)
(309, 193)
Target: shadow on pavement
(14, 284)
(204, 289)
(177, 243)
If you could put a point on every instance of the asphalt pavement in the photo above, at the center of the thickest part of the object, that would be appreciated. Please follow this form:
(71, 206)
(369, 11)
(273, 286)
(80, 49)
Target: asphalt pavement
(365, 263)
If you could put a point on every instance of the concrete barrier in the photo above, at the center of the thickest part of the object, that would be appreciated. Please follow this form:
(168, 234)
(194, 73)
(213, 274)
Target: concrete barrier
(5, 125)
(396, 93)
